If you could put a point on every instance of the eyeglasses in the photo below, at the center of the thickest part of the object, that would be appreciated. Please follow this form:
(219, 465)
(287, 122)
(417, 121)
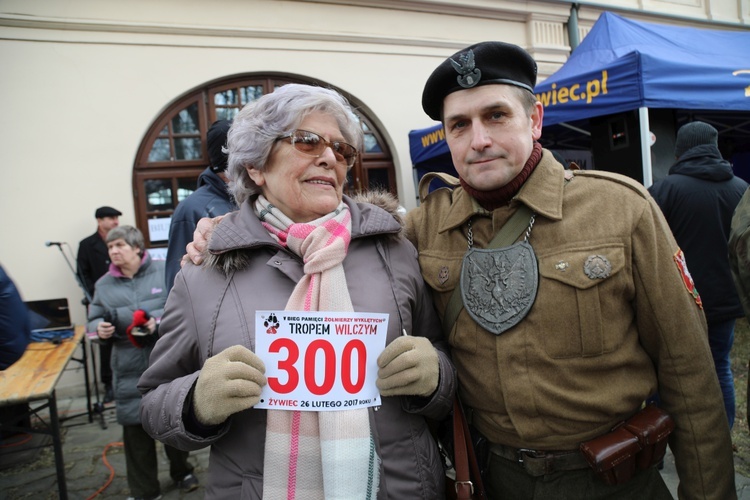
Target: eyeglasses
(312, 144)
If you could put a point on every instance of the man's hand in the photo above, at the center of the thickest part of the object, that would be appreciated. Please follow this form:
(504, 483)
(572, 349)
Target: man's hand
(409, 366)
(229, 383)
(199, 245)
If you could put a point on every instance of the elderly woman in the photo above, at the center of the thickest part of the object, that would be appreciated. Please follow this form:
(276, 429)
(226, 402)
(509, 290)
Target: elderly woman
(127, 302)
(298, 244)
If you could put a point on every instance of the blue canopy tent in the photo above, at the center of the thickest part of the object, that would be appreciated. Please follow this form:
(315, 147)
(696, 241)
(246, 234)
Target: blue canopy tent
(629, 66)
(624, 65)
(429, 153)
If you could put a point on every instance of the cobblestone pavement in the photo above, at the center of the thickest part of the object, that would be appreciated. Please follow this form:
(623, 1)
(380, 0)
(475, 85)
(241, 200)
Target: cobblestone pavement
(86, 446)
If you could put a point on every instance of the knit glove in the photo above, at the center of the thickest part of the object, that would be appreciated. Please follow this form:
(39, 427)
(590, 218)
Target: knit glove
(228, 383)
(137, 330)
(408, 367)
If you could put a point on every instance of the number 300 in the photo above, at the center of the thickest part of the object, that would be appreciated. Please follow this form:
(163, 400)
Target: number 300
(330, 362)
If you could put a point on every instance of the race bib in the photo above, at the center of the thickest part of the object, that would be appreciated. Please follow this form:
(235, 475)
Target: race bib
(319, 361)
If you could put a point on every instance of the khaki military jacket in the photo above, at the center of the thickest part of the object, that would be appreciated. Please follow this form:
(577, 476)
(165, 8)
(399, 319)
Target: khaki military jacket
(739, 251)
(591, 349)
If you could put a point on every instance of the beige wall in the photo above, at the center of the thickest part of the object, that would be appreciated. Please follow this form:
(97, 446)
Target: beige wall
(82, 80)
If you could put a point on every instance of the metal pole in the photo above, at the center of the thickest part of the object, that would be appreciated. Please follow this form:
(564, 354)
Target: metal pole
(645, 136)
(573, 27)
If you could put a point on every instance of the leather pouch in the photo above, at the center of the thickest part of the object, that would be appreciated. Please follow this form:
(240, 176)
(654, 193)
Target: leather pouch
(651, 426)
(612, 456)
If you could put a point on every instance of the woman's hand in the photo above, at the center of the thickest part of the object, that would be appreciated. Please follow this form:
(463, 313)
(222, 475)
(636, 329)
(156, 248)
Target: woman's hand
(105, 330)
(150, 325)
(409, 366)
(229, 383)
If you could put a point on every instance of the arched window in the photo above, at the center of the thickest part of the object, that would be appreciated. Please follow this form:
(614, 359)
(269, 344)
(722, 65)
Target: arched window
(174, 152)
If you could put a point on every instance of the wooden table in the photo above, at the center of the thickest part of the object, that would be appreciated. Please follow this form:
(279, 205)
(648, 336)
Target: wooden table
(32, 379)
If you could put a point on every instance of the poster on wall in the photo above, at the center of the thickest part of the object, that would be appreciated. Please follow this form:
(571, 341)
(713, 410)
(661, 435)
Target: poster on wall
(158, 229)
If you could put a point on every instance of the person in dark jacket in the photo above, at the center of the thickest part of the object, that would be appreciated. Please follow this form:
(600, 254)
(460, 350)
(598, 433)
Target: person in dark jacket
(15, 327)
(93, 263)
(93, 259)
(698, 198)
(210, 199)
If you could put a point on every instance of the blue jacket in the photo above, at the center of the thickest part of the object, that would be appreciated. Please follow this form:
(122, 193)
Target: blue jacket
(698, 198)
(15, 327)
(209, 200)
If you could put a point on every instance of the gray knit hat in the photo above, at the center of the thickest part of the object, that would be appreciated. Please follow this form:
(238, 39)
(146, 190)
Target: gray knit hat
(694, 134)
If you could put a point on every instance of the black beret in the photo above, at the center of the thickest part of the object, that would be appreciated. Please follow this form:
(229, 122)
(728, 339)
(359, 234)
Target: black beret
(216, 139)
(483, 63)
(106, 212)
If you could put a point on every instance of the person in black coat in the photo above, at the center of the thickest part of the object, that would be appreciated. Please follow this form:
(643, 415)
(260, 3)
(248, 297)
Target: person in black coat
(698, 199)
(93, 263)
(211, 199)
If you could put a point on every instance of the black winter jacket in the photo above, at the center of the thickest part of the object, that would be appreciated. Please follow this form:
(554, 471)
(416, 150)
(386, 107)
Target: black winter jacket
(698, 198)
(93, 260)
(209, 200)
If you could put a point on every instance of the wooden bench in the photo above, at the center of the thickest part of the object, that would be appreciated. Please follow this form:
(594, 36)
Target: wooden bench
(33, 379)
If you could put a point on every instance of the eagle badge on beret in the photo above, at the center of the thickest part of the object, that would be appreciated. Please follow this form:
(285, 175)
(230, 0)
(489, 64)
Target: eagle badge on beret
(468, 73)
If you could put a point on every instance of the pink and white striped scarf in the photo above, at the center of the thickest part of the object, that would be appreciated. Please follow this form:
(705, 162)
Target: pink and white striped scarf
(317, 455)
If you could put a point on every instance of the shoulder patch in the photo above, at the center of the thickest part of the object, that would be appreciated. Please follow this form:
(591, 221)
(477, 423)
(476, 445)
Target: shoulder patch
(424, 184)
(679, 259)
(613, 177)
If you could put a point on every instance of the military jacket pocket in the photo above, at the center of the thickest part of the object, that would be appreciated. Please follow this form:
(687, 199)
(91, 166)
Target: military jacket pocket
(580, 298)
(442, 272)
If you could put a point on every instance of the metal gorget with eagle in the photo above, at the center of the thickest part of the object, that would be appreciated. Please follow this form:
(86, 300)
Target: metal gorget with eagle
(498, 286)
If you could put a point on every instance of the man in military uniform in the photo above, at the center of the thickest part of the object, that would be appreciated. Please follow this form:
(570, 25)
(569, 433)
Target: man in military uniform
(565, 334)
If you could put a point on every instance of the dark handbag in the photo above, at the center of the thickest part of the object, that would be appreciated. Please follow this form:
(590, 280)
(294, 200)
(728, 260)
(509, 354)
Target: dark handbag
(468, 482)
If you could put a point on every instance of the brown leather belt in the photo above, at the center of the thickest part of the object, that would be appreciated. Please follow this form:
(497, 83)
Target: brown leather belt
(539, 462)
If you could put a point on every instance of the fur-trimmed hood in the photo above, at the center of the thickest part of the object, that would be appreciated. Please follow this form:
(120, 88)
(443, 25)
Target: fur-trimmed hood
(373, 213)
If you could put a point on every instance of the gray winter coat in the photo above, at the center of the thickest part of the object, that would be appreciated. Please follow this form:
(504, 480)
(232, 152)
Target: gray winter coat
(206, 313)
(115, 300)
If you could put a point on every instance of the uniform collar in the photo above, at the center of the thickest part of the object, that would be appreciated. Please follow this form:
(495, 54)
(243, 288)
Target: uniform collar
(542, 192)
